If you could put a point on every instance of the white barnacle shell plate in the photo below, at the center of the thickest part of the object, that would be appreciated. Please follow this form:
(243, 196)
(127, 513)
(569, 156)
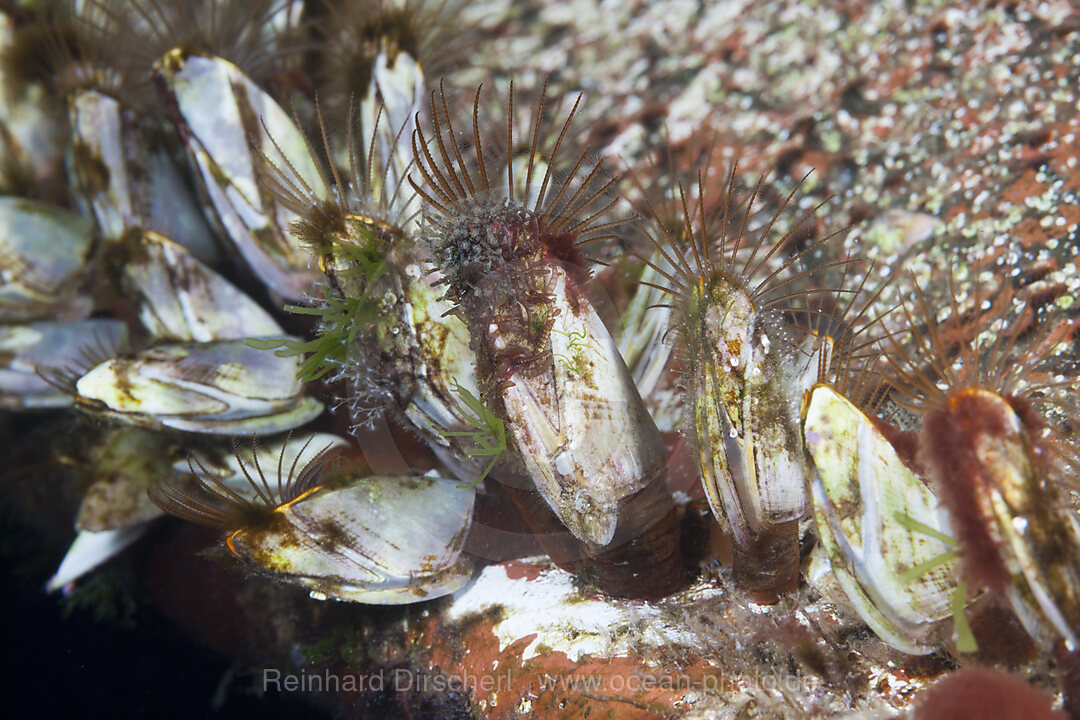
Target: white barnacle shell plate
(859, 485)
(140, 185)
(226, 121)
(380, 540)
(25, 348)
(388, 115)
(181, 299)
(642, 328)
(743, 422)
(97, 133)
(584, 434)
(223, 387)
(90, 550)
(444, 357)
(43, 254)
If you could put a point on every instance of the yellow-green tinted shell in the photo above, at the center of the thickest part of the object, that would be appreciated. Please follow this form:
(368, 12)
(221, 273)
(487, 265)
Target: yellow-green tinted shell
(859, 488)
(376, 540)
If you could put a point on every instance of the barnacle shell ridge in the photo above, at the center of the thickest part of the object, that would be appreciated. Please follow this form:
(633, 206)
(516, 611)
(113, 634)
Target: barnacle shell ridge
(378, 540)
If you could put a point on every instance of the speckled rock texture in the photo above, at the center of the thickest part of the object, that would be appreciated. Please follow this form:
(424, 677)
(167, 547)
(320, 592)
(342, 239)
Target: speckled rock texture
(942, 135)
(942, 140)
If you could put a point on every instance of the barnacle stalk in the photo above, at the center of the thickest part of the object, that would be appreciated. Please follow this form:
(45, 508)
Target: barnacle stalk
(505, 233)
(739, 325)
(997, 464)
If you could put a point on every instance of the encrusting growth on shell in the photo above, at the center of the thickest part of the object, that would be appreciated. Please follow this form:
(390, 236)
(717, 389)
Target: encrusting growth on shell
(382, 330)
(354, 225)
(494, 240)
(998, 466)
(504, 227)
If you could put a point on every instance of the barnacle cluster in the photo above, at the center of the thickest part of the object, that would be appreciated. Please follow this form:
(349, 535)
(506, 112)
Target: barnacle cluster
(188, 263)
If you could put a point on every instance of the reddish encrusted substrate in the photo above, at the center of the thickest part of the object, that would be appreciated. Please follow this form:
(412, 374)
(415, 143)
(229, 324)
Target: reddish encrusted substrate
(979, 693)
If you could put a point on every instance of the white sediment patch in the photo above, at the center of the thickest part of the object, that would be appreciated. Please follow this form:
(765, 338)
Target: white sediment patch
(563, 619)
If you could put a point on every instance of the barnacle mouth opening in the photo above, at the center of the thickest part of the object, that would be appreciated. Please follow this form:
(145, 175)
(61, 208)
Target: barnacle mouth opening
(165, 33)
(497, 277)
(91, 355)
(358, 37)
(356, 42)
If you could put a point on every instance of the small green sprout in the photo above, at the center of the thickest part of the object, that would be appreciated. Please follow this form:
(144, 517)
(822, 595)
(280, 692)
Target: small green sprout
(489, 435)
(576, 343)
(365, 258)
(965, 638)
(340, 317)
(538, 321)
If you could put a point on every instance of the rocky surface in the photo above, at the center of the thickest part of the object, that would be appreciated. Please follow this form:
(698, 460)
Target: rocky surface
(943, 138)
